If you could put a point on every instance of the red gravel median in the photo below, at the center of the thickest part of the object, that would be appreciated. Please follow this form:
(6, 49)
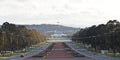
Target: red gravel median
(58, 52)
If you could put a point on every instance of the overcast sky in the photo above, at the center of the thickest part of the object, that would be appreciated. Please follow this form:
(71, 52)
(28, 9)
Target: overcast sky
(76, 13)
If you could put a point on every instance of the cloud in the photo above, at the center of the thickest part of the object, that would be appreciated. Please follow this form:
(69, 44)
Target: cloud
(68, 12)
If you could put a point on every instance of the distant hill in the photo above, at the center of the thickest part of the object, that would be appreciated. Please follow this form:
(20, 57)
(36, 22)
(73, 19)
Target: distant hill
(50, 28)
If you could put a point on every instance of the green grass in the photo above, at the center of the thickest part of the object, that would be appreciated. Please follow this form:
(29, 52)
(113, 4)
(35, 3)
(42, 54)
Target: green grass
(3, 57)
(93, 50)
(116, 56)
(22, 52)
(87, 49)
(112, 55)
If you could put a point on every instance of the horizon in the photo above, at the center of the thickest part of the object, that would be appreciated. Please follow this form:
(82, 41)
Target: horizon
(74, 13)
(55, 24)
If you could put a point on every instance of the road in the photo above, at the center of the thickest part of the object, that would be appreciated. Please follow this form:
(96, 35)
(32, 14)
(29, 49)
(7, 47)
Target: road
(28, 54)
(58, 52)
(91, 54)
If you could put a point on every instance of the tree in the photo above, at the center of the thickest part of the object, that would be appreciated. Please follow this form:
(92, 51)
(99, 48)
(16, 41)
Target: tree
(101, 37)
(18, 37)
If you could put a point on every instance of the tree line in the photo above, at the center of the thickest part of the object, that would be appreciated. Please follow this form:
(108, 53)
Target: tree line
(101, 37)
(16, 37)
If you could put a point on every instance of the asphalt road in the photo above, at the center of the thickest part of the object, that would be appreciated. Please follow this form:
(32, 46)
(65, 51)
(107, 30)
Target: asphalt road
(91, 54)
(28, 54)
(58, 53)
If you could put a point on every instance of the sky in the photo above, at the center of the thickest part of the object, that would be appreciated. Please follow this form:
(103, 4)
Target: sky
(74, 13)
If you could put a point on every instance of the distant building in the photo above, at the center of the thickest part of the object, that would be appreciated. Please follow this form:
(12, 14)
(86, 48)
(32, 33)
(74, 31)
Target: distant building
(104, 51)
(58, 34)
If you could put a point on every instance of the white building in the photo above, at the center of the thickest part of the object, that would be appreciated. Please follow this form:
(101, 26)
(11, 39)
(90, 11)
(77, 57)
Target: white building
(58, 35)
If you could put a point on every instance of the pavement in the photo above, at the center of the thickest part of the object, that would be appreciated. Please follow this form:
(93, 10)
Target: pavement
(60, 59)
(90, 54)
(28, 54)
(58, 53)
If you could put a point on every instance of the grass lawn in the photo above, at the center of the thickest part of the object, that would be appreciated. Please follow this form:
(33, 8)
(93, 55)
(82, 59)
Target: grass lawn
(92, 50)
(29, 49)
(3, 57)
(87, 49)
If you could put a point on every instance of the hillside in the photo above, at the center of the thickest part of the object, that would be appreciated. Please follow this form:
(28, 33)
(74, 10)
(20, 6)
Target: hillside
(50, 28)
